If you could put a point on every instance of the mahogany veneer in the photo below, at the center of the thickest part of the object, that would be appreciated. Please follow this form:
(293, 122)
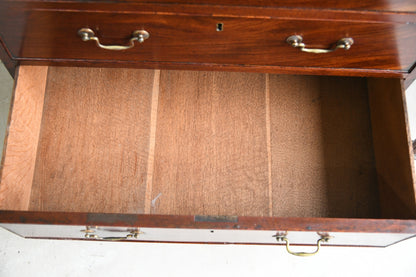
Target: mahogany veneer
(185, 36)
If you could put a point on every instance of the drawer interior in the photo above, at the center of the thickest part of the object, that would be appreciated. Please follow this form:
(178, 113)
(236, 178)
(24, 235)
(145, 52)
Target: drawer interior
(207, 143)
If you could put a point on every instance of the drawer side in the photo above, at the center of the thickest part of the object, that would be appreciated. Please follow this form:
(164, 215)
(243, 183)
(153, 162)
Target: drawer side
(393, 148)
(22, 138)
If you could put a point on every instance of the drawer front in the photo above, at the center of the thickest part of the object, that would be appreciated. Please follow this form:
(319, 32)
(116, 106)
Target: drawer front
(214, 236)
(199, 40)
(156, 228)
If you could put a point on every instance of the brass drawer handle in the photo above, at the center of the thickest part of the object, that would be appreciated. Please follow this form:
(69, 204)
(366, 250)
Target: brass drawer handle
(297, 42)
(129, 236)
(282, 237)
(90, 234)
(87, 34)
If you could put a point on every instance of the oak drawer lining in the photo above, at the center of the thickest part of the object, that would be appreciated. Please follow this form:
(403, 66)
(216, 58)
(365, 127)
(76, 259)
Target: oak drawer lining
(245, 144)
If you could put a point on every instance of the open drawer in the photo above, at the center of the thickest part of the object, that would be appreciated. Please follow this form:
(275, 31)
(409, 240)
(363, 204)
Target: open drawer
(210, 157)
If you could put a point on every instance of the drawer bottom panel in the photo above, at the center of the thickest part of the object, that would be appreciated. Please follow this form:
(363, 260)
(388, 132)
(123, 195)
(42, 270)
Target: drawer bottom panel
(184, 143)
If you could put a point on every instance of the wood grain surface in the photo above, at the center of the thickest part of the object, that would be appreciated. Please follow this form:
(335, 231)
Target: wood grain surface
(297, 149)
(94, 142)
(243, 223)
(213, 143)
(152, 141)
(321, 143)
(182, 143)
(350, 168)
(243, 41)
(21, 147)
(369, 5)
(393, 148)
(211, 154)
(185, 36)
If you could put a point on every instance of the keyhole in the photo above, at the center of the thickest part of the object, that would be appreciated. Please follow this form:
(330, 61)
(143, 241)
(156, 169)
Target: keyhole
(220, 27)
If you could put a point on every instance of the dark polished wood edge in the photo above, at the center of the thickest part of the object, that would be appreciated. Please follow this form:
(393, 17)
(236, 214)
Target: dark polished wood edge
(240, 9)
(410, 77)
(219, 243)
(215, 10)
(238, 223)
(355, 72)
(7, 60)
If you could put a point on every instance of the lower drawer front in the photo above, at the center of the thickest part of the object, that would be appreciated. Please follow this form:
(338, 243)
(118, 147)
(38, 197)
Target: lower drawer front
(227, 145)
(199, 40)
(108, 233)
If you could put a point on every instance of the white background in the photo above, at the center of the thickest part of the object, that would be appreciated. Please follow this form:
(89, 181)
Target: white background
(30, 257)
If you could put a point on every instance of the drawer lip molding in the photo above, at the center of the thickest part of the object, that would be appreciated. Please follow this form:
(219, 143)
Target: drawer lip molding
(217, 9)
(329, 71)
(189, 222)
(203, 235)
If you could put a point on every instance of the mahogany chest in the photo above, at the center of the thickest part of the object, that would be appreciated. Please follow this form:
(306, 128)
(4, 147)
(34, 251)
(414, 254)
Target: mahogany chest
(210, 121)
